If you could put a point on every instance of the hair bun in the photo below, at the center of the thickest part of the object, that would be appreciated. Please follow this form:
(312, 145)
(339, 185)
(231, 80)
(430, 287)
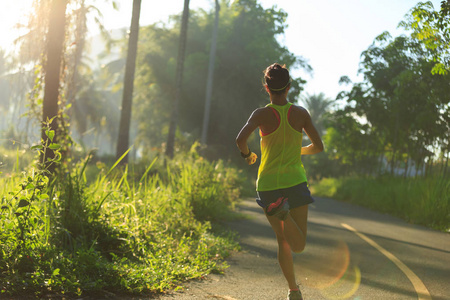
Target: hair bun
(277, 77)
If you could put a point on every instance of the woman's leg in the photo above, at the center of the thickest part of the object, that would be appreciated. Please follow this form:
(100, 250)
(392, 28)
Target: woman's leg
(296, 227)
(291, 236)
(284, 251)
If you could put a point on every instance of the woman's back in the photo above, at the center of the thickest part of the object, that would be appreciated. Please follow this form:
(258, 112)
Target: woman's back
(281, 144)
(270, 120)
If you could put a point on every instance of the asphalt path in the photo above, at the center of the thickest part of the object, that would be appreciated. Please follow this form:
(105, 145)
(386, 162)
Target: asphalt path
(351, 253)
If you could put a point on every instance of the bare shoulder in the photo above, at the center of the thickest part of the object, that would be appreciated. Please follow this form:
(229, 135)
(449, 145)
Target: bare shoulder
(257, 116)
(300, 111)
(299, 108)
(261, 112)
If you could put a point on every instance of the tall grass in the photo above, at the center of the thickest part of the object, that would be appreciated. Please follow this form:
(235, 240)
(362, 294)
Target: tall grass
(424, 201)
(14, 160)
(119, 233)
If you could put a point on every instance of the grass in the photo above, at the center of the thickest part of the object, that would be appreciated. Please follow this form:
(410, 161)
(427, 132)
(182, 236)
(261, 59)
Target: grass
(137, 232)
(13, 160)
(424, 201)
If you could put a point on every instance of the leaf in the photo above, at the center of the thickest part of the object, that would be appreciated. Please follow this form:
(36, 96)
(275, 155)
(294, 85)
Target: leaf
(101, 202)
(58, 156)
(30, 186)
(43, 196)
(37, 147)
(23, 203)
(54, 146)
(148, 169)
(119, 160)
(55, 272)
(50, 134)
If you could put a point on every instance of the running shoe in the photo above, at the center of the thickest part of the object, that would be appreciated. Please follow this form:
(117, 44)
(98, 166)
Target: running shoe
(279, 208)
(295, 295)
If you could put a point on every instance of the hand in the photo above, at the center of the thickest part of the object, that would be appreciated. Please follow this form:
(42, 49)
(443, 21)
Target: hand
(251, 159)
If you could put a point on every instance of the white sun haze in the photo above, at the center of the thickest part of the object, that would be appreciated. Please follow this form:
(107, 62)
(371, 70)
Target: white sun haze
(151, 12)
(12, 13)
(330, 34)
(17, 11)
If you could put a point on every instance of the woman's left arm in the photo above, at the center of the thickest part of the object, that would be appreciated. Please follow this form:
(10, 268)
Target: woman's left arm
(316, 145)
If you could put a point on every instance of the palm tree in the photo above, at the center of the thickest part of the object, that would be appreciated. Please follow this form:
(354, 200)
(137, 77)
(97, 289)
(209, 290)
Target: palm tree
(127, 100)
(212, 56)
(55, 38)
(318, 106)
(179, 80)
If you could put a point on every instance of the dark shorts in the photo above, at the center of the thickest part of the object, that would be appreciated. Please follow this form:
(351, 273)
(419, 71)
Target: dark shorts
(298, 195)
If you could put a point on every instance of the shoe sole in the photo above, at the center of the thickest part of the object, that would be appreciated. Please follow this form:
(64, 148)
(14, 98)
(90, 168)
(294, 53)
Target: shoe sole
(282, 211)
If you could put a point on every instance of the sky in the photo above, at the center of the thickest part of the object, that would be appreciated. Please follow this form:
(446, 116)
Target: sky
(329, 34)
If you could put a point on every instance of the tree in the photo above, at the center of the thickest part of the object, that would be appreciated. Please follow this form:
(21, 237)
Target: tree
(212, 56)
(52, 69)
(179, 81)
(4, 101)
(400, 103)
(125, 118)
(318, 106)
(246, 44)
(432, 29)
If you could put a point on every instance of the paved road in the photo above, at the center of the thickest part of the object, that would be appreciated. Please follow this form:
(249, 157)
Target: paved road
(351, 253)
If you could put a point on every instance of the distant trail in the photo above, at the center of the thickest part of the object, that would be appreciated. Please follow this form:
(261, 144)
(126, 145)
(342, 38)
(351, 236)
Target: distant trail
(337, 263)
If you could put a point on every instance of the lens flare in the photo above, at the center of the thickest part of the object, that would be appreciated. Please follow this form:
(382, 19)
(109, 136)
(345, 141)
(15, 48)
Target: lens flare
(331, 272)
(339, 290)
(325, 270)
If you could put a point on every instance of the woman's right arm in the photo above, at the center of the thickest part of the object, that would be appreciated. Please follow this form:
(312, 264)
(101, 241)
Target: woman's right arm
(316, 145)
(241, 140)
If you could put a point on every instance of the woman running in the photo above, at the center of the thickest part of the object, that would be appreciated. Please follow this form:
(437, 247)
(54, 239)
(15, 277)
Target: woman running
(282, 185)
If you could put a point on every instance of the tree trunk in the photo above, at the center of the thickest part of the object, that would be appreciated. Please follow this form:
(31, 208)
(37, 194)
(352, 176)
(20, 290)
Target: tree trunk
(212, 56)
(406, 167)
(393, 162)
(55, 42)
(127, 99)
(445, 164)
(428, 167)
(179, 80)
(80, 41)
(417, 169)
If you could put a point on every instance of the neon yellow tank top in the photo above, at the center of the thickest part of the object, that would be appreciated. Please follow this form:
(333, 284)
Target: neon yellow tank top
(281, 164)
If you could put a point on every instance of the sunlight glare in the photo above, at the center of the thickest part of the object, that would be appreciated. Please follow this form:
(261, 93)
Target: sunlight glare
(333, 275)
(332, 268)
(11, 14)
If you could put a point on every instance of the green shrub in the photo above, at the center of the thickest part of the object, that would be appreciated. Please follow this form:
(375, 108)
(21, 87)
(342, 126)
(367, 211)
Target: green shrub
(119, 233)
(424, 201)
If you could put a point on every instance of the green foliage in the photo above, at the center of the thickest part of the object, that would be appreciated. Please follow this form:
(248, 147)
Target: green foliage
(119, 233)
(399, 112)
(201, 182)
(419, 201)
(432, 29)
(246, 45)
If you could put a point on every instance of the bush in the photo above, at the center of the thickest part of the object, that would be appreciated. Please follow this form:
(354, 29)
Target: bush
(120, 233)
(424, 201)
